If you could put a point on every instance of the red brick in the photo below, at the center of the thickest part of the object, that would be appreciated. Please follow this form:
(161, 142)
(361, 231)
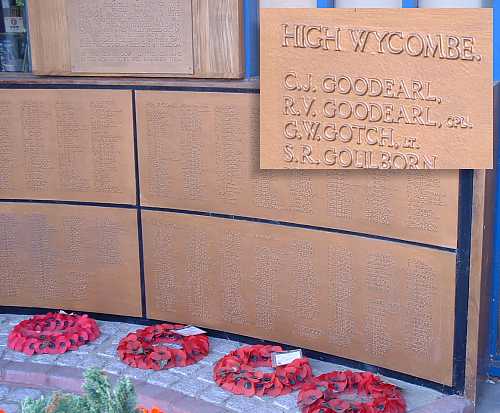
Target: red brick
(30, 374)
(191, 405)
(172, 401)
(64, 378)
(149, 395)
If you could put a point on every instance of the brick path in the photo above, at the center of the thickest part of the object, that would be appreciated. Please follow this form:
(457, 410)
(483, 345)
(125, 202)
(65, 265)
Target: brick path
(179, 390)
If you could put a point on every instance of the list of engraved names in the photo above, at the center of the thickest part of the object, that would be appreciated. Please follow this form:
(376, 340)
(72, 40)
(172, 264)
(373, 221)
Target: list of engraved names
(359, 90)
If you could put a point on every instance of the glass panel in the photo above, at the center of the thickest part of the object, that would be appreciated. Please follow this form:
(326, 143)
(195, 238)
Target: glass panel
(13, 37)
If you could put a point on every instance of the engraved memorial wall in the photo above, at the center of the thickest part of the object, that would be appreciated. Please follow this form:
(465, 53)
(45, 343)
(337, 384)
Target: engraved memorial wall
(375, 301)
(199, 151)
(403, 89)
(75, 257)
(339, 289)
(67, 144)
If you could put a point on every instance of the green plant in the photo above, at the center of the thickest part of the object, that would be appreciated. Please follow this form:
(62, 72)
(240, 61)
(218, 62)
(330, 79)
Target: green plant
(99, 397)
(20, 3)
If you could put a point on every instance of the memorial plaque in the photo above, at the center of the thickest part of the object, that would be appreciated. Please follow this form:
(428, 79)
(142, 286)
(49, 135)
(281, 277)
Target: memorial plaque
(138, 36)
(375, 301)
(162, 38)
(199, 151)
(70, 257)
(67, 145)
(352, 89)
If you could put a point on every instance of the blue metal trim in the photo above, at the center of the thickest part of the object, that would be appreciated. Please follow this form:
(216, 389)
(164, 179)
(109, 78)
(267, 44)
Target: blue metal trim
(410, 3)
(496, 39)
(325, 4)
(494, 371)
(251, 34)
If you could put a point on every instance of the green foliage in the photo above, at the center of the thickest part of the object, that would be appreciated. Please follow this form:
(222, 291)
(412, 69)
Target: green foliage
(20, 3)
(99, 397)
(35, 406)
(125, 397)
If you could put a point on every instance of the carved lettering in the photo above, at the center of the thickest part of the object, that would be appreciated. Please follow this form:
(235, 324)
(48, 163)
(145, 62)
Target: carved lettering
(427, 45)
(351, 90)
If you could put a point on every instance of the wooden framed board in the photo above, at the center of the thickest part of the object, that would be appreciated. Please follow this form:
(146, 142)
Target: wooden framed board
(193, 38)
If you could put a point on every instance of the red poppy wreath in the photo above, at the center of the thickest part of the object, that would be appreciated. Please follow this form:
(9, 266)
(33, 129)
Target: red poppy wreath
(153, 348)
(236, 372)
(52, 333)
(348, 392)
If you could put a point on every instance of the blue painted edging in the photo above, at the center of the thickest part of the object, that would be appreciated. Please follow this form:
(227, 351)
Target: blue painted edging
(409, 3)
(496, 39)
(324, 4)
(252, 37)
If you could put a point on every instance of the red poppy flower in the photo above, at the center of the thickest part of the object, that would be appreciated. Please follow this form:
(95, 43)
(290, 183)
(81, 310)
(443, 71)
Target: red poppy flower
(29, 346)
(309, 395)
(19, 346)
(143, 410)
(327, 394)
(277, 389)
(148, 348)
(236, 372)
(52, 333)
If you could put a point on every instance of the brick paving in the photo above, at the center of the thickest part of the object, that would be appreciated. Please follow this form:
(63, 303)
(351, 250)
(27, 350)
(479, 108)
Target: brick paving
(181, 390)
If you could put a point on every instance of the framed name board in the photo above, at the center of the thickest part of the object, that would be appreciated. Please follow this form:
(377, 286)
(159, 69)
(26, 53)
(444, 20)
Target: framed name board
(76, 145)
(199, 151)
(371, 300)
(69, 256)
(357, 89)
(194, 38)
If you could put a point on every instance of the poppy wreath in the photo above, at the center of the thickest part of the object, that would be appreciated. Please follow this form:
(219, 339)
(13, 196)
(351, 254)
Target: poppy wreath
(349, 392)
(148, 348)
(52, 333)
(236, 372)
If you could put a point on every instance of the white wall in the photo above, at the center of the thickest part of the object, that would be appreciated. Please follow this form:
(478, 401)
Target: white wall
(368, 3)
(287, 3)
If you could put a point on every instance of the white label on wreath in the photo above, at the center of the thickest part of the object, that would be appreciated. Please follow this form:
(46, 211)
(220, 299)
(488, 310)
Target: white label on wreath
(190, 331)
(14, 25)
(285, 357)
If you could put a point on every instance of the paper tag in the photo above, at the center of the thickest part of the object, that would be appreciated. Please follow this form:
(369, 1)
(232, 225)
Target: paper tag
(285, 357)
(190, 331)
(65, 313)
(62, 312)
(14, 25)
